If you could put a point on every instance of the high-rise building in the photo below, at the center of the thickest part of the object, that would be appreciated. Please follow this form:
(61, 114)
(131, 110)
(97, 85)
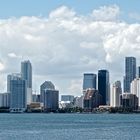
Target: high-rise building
(18, 92)
(92, 99)
(26, 72)
(49, 96)
(130, 72)
(116, 91)
(45, 85)
(135, 88)
(104, 86)
(129, 101)
(51, 100)
(10, 77)
(89, 81)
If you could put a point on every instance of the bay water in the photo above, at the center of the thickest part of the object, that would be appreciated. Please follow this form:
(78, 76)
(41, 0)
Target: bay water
(69, 126)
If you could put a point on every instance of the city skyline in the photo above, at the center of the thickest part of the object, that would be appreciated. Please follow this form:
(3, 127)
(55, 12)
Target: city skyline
(66, 40)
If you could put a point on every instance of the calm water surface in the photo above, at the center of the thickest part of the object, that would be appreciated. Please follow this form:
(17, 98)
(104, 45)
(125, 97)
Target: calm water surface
(69, 126)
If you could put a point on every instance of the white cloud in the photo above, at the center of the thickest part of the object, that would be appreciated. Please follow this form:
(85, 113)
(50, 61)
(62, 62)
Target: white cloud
(13, 55)
(75, 87)
(1, 66)
(65, 45)
(106, 13)
(62, 12)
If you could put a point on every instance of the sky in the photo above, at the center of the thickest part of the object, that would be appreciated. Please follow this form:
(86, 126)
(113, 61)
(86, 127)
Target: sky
(64, 39)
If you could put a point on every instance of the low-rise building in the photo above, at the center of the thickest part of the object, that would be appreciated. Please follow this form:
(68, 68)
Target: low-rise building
(78, 101)
(67, 98)
(92, 99)
(5, 100)
(129, 101)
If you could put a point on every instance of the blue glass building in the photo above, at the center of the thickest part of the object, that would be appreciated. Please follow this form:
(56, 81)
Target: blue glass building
(18, 95)
(104, 86)
(45, 85)
(89, 81)
(130, 72)
(26, 72)
(51, 100)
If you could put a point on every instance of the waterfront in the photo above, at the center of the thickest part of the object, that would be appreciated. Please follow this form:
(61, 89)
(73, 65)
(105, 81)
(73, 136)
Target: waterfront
(69, 126)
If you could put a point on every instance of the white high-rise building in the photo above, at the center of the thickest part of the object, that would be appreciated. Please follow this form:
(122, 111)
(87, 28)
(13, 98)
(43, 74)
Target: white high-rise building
(135, 88)
(116, 91)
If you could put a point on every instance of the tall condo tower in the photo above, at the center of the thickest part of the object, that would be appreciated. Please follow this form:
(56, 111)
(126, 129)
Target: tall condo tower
(49, 96)
(130, 72)
(18, 89)
(104, 86)
(89, 81)
(116, 91)
(26, 73)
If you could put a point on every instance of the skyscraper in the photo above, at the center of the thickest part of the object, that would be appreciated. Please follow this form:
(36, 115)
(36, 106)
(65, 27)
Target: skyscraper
(10, 77)
(130, 72)
(18, 92)
(26, 72)
(135, 88)
(116, 91)
(51, 100)
(92, 99)
(45, 85)
(103, 86)
(89, 81)
(49, 96)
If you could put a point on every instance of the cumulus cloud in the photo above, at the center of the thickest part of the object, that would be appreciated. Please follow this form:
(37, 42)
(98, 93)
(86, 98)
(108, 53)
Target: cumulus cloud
(64, 45)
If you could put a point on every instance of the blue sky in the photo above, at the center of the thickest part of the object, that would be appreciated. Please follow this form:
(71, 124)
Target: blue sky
(18, 8)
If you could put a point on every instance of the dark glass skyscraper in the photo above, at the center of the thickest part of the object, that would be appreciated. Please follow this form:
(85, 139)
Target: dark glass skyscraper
(103, 86)
(130, 72)
(89, 81)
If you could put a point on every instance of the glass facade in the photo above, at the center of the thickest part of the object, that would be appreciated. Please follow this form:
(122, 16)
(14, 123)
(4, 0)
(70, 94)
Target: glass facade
(130, 72)
(18, 93)
(104, 86)
(89, 81)
(51, 100)
(46, 85)
(26, 72)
